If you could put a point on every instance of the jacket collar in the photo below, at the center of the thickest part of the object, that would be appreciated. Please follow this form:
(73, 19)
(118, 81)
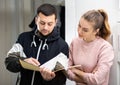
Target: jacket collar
(51, 37)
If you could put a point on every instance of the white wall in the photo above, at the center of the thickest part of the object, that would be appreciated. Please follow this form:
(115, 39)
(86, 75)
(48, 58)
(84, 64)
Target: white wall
(70, 20)
(75, 8)
(14, 18)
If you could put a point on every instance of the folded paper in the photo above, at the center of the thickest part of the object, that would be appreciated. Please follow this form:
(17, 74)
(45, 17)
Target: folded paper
(61, 58)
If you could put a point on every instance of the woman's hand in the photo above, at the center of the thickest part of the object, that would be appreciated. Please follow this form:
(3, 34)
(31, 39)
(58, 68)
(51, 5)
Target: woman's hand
(32, 61)
(47, 74)
(78, 75)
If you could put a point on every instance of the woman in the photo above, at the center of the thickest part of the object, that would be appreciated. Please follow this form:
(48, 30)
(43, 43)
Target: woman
(91, 50)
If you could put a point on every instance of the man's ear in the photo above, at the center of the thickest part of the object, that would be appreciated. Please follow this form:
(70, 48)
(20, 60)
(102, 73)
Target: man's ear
(56, 21)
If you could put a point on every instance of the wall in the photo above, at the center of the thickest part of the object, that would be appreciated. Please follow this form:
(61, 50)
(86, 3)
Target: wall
(75, 8)
(15, 16)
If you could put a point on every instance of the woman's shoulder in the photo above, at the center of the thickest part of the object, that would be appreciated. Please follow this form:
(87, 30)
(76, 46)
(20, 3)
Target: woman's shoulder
(104, 43)
(76, 39)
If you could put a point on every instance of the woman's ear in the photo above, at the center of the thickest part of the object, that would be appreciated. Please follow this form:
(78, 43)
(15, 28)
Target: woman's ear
(97, 32)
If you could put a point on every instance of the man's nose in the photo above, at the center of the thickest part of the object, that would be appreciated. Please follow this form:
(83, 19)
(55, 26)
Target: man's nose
(45, 26)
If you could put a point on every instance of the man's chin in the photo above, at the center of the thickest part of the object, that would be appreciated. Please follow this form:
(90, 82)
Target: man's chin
(45, 34)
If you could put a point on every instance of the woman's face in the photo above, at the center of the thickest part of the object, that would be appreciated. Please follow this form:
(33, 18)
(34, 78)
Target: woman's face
(86, 30)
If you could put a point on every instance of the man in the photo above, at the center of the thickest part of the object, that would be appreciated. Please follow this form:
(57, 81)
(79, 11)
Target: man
(37, 47)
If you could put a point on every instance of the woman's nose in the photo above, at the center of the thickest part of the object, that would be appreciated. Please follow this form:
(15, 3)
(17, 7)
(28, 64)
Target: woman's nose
(80, 31)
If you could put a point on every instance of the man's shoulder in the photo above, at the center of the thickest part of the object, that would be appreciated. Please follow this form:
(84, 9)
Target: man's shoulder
(61, 41)
(28, 33)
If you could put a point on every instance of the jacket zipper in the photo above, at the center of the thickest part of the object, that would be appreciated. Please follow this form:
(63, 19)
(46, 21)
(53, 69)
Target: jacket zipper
(38, 53)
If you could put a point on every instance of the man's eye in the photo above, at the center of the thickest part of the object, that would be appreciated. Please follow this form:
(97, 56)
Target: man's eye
(42, 23)
(49, 24)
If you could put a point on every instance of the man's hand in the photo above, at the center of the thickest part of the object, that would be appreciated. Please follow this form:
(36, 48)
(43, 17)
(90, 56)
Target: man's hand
(47, 74)
(32, 61)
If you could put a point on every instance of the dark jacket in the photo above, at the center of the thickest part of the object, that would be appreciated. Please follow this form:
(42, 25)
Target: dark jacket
(33, 44)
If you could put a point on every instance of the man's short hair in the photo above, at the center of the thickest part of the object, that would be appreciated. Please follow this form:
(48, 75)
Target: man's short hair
(47, 10)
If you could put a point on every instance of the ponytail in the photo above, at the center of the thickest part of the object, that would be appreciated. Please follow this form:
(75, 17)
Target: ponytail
(104, 31)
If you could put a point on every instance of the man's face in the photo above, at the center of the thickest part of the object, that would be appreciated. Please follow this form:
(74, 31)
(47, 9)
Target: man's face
(45, 24)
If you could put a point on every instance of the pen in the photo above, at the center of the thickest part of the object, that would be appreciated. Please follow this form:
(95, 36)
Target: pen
(67, 68)
(74, 66)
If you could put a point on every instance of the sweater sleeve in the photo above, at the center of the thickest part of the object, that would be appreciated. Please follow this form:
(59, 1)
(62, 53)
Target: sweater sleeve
(70, 55)
(101, 72)
(15, 53)
(70, 63)
(12, 61)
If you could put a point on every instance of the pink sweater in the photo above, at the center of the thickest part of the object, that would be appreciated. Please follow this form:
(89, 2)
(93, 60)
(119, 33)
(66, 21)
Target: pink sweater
(96, 56)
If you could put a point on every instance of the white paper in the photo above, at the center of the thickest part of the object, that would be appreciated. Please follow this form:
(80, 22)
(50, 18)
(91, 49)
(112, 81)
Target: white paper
(61, 58)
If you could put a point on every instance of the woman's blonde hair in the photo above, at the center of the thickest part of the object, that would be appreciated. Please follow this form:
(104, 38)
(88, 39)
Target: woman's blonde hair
(99, 18)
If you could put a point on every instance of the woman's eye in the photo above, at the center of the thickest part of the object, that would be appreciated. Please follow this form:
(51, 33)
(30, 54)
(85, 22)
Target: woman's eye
(79, 26)
(85, 30)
